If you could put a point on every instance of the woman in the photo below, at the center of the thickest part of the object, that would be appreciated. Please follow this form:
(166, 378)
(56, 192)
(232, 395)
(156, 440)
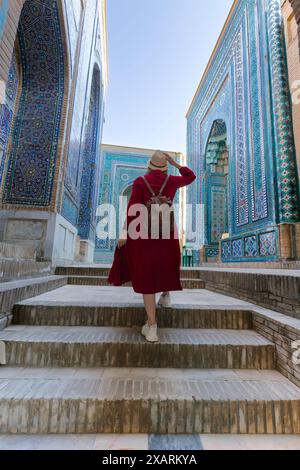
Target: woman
(152, 265)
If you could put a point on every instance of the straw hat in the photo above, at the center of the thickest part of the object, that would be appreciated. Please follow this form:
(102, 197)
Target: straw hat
(158, 161)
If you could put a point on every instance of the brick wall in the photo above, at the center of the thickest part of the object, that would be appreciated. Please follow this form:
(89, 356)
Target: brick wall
(276, 291)
(282, 331)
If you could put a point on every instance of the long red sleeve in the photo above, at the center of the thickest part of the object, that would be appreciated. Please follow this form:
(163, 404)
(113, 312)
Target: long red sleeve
(186, 178)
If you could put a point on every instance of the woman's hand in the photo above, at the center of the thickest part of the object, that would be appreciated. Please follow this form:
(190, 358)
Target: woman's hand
(172, 161)
(122, 242)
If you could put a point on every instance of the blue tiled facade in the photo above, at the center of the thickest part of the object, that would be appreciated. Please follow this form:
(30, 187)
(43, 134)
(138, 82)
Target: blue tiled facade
(246, 88)
(82, 172)
(32, 158)
(3, 13)
(51, 120)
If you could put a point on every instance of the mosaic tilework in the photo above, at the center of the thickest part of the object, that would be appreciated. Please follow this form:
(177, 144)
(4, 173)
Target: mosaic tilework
(211, 252)
(83, 167)
(242, 209)
(3, 12)
(237, 248)
(32, 161)
(7, 109)
(289, 210)
(69, 209)
(218, 221)
(251, 249)
(87, 211)
(267, 244)
(257, 139)
(85, 65)
(226, 250)
(239, 75)
(262, 246)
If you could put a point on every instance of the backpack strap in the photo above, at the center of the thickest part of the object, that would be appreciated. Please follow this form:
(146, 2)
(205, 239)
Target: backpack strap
(148, 186)
(164, 185)
(161, 189)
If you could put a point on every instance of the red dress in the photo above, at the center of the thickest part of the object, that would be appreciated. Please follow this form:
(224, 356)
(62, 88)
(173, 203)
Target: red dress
(151, 265)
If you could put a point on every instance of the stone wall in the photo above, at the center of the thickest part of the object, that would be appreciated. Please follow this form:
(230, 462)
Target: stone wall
(283, 332)
(280, 292)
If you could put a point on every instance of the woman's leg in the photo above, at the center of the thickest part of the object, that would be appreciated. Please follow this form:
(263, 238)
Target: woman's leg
(165, 300)
(150, 306)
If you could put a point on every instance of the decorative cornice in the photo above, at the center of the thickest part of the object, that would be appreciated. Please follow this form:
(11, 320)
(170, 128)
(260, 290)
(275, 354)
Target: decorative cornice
(230, 15)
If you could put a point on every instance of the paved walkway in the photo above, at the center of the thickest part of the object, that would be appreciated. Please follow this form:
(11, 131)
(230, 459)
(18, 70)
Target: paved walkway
(77, 382)
(149, 442)
(122, 296)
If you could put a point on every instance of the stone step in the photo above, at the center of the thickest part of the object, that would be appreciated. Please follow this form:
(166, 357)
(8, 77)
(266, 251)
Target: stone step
(17, 251)
(102, 281)
(22, 269)
(93, 271)
(12, 292)
(39, 346)
(66, 401)
(34, 313)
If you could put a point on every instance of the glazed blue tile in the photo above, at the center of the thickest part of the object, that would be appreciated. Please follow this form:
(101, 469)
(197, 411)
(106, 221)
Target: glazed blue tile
(175, 442)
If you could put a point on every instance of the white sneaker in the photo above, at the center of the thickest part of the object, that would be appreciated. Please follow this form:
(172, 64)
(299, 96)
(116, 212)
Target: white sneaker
(165, 300)
(150, 333)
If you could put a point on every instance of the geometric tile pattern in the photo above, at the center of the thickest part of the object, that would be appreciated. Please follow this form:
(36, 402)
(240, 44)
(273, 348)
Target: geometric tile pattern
(226, 250)
(218, 213)
(267, 244)
(3, 12)
(211, 252)
(7, 109)
(87, 211)
(241, 210)
(287, 186)
(32, 160)
(251, 249)
(257, 132)
(262, 246)
(236, 89)
(238, 248)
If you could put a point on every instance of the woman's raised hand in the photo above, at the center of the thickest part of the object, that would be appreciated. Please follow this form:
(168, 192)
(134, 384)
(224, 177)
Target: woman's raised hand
(171, 161)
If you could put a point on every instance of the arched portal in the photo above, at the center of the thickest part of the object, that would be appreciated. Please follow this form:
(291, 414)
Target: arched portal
(87, 212)
(37, 130)
(216, 187)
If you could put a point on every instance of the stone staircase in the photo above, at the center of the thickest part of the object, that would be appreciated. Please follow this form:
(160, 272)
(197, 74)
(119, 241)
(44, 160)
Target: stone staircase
(19, 261)
(85, 368)
(97, 276)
